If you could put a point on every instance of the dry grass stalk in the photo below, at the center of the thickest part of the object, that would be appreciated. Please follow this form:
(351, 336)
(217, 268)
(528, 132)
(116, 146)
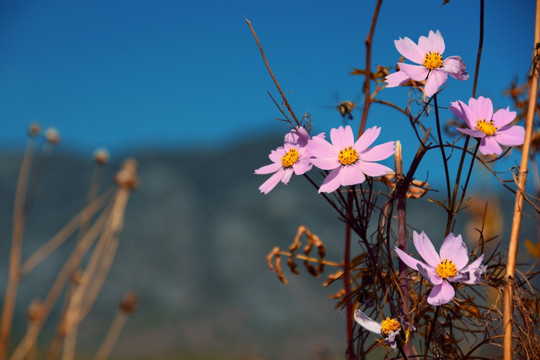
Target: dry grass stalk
(60, 237)
(99, 264)
(107, 227)
(60, 282)
(101, 157)
(522, 177)
(16, 245)
(125, 310)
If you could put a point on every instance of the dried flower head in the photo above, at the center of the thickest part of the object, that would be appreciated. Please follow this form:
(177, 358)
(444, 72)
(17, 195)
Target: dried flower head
(129, 303)
(52, 136)
(127, 176)
(34, 129)
(101, 156)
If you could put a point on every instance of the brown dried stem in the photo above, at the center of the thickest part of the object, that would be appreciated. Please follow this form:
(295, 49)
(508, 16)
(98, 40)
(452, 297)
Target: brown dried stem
(518, 207)
(60, 237)
(367, 82)
(271, 73)
(112, 336)
(58, 285)
(99, 264)
(16, 245)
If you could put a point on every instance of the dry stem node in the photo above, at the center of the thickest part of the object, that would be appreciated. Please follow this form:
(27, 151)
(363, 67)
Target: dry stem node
(35, 311)
(52, 136)
(129, 303)
(127, 176)
(101, 156)
(34, 129)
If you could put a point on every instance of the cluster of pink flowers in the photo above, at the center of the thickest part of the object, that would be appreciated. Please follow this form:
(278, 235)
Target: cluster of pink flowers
(492, 129)
(347, 160)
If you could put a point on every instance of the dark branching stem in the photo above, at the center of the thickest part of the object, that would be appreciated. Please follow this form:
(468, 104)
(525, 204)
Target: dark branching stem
(452, 206)
(347, 275)
(443, 152)
(430, 334)
(468, 177)
(480, 46)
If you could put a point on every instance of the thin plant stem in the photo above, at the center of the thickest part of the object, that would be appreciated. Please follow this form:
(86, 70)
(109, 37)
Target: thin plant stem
(468, 178)
(454, 209)
(480, 46)
(112, 336)
(16, 248)
(309, 258)
(518, 207)
(105, 245)
(64, 233)
(367, 82)
(271, 73)
(443, 153)
(86, 214)
(58, 285)
(431, 329)
(346, 275)
(401, 195)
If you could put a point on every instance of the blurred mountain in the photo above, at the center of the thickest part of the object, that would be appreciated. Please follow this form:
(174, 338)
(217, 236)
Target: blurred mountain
(193, 247)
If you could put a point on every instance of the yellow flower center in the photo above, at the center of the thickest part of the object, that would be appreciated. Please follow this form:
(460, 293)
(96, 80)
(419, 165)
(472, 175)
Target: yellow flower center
(486, 127)
(348, 156)
(432, 60)
(290, 158)
(389, 325)
(446, 269)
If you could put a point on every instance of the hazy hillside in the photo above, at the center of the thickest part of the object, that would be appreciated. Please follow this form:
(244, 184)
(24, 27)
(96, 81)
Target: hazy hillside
(193, 246)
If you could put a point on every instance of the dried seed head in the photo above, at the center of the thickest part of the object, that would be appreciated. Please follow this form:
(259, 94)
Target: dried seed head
(52, 136)
(34, 129)
(292, 265)
(129, 302)
(77, 278)
(127, 176)
(35, 311)
(101, 156)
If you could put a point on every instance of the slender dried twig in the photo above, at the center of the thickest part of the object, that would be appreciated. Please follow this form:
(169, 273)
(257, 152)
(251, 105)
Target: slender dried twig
(518, 207)
(101, 259)
(367, 82)
(271, 73)
(16, 248)
(60, 237)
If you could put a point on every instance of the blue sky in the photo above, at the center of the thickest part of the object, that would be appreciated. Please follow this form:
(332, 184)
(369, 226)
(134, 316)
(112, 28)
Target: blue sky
(127, 75)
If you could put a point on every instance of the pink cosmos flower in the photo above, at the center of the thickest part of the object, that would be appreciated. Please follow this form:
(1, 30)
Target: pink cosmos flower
(349, 161)
(428, 53)
(292, 157)
(491, 128)
(440, 270)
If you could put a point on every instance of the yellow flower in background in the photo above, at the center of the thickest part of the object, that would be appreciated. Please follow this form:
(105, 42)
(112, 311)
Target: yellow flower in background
(533, 249)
